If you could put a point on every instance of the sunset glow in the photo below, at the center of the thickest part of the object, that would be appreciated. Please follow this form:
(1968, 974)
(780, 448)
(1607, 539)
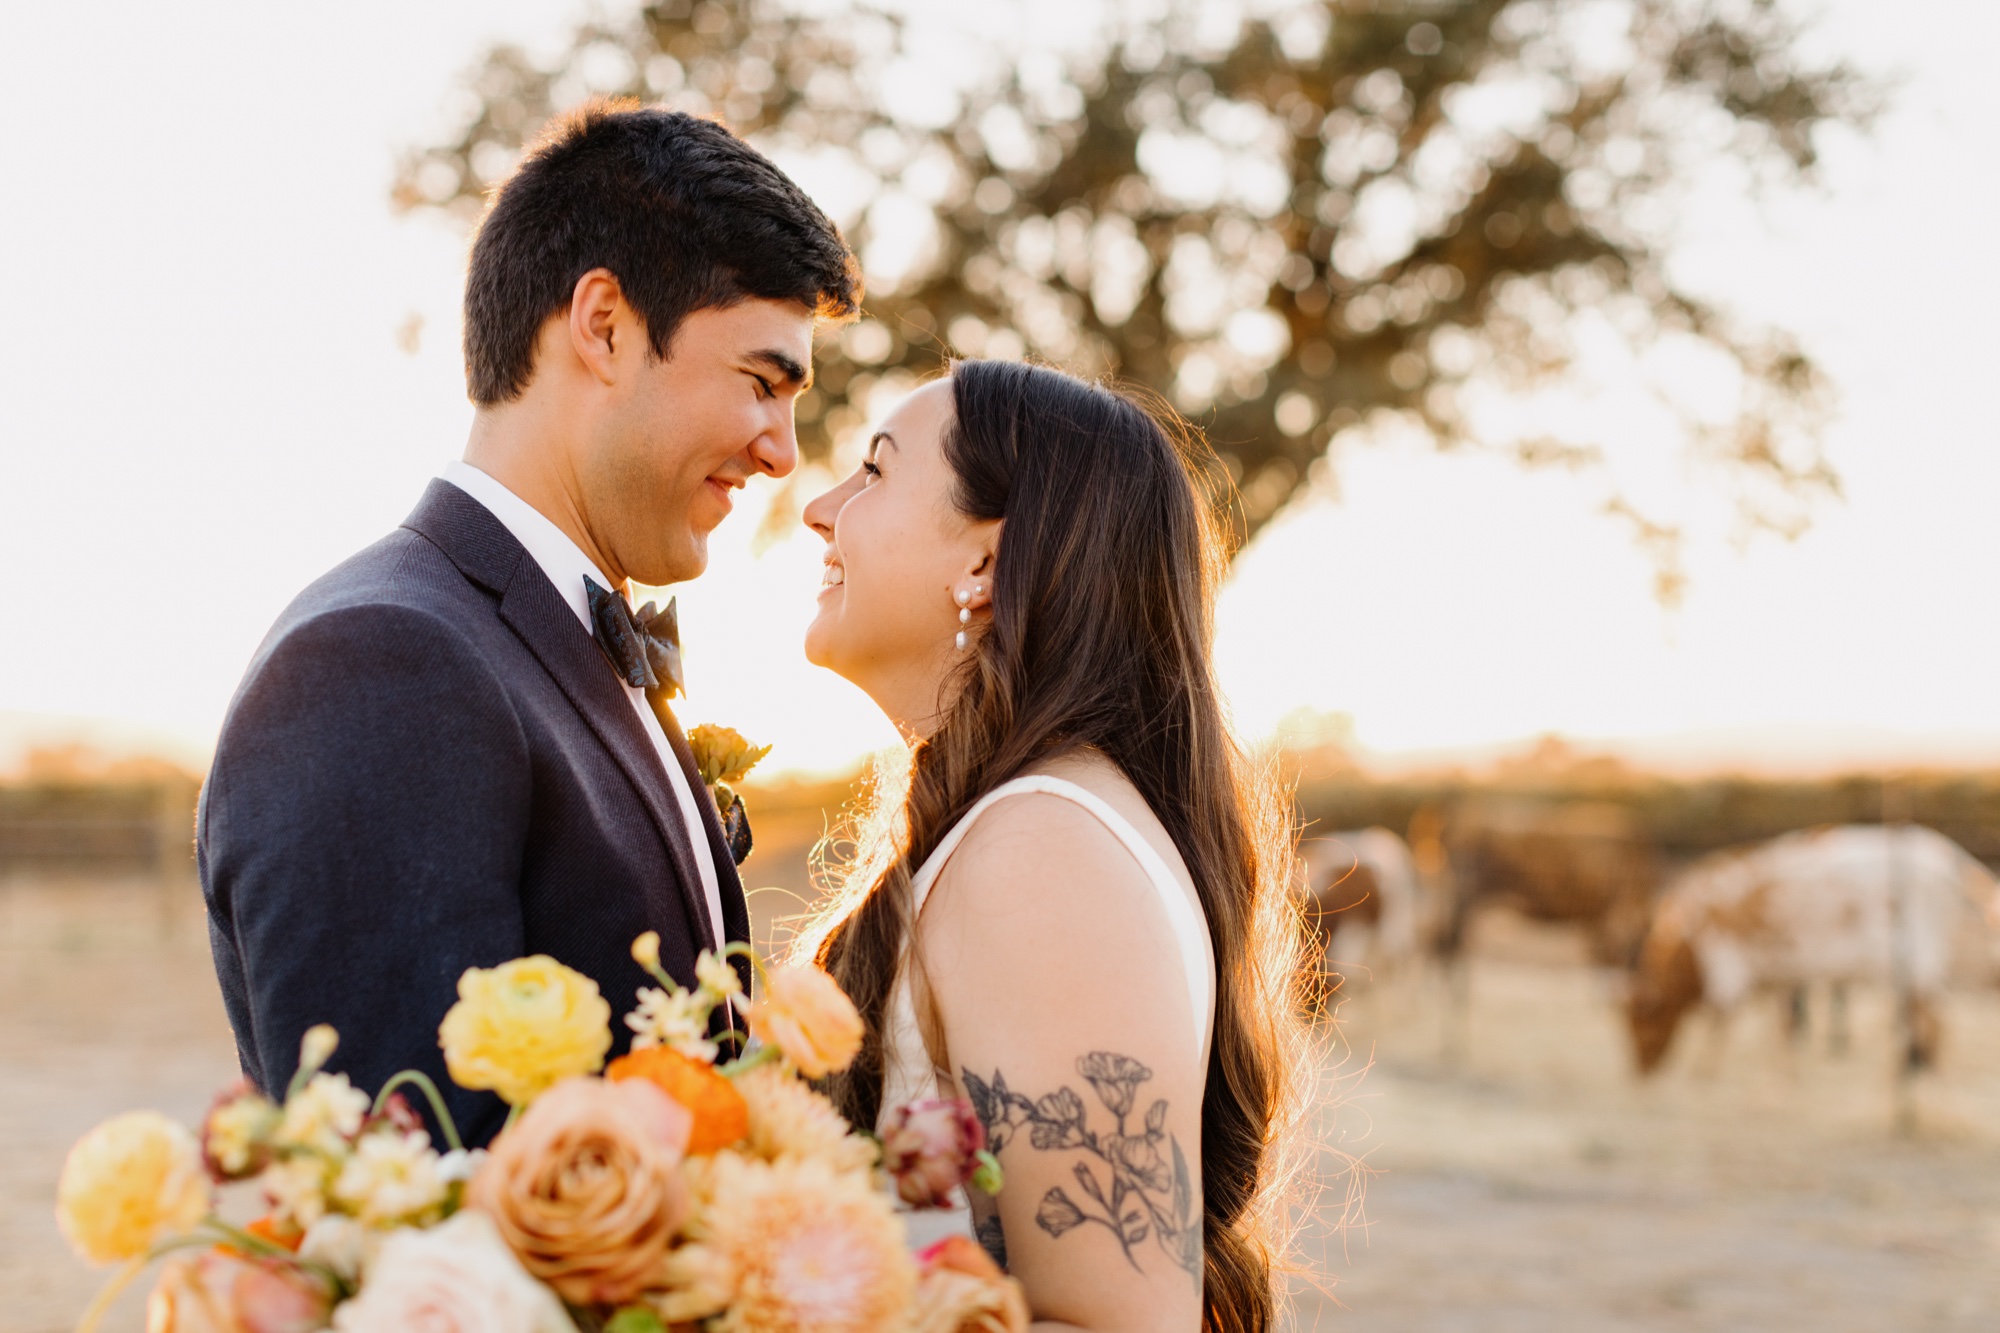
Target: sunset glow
(234, 366)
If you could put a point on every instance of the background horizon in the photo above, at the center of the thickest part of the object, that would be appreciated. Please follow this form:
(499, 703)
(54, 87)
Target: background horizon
(241, 366)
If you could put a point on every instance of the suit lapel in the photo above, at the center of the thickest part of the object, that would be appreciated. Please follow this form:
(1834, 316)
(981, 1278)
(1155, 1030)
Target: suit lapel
(735, 908)
(486, 552)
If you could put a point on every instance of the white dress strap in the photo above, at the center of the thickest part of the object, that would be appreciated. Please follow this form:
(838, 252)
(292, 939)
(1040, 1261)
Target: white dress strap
(1189, 931)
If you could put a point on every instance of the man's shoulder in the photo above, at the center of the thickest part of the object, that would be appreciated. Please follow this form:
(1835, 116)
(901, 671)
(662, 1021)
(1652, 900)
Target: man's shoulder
(400, 590)
(400, 576)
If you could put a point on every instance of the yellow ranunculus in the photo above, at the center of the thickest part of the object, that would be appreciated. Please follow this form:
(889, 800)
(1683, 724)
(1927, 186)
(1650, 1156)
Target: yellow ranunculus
(523, 1026)
(805, 1014)
(131, 1181)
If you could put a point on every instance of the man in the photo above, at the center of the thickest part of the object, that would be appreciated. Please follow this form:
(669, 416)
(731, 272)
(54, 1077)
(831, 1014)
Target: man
(445, 754)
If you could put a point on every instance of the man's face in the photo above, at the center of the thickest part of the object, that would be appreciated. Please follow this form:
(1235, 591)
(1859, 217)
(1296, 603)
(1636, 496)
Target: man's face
(684, 432)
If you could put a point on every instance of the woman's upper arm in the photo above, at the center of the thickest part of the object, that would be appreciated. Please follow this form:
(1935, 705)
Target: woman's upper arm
(1068, 1024)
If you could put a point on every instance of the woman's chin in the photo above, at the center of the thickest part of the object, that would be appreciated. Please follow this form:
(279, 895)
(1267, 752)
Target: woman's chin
(819, 645)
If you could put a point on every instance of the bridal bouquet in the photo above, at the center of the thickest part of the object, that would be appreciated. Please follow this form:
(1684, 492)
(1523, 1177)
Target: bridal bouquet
(668, 1192)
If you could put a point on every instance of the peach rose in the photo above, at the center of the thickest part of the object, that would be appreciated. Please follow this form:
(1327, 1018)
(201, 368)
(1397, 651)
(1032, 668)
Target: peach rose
(961, 1290)
(219, 1291)
(804, 1013)
(586, 1186)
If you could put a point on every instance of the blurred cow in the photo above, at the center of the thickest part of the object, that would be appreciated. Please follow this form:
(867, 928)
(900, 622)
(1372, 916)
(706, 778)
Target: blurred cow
(1363, 899)
(1901, 904)
(1587, 863)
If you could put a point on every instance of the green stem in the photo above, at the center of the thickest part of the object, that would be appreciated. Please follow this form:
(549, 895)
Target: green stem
(101, 1304)
(245, 1241)
(257, 1246)
(109, 1292)
(763, 1055)
(430, 1090)
(513, 1114)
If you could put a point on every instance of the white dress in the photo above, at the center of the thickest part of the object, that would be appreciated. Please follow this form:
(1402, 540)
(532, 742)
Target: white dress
(910, 1076)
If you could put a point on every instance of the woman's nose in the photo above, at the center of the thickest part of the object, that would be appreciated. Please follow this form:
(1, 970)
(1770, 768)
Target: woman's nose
(823, 509)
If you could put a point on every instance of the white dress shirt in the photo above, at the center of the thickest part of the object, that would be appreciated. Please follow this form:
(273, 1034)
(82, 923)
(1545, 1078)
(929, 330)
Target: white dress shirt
(566, 566)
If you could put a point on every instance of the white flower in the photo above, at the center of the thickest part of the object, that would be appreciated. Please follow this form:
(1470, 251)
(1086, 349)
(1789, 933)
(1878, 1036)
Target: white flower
(391, 1178)
(297, 1187)
(324, 1115)
(236, 1131)
(318, 1046)
(458, 1277)
(342, 1244)
(678, 1021)
(460, 1165)
(717, 976)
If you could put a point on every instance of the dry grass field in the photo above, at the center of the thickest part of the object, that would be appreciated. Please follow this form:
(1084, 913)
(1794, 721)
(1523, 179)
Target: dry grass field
(1529, 1185)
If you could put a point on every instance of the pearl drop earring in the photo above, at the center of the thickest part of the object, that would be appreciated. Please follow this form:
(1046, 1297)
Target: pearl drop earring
(964, 617)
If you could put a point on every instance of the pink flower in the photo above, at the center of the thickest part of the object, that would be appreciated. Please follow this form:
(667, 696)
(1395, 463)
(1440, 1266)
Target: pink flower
(930, 1148)
(458, 1277)
(218, 1291)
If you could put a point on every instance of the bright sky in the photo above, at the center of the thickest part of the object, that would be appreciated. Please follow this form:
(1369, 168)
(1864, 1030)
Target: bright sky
(205, 406)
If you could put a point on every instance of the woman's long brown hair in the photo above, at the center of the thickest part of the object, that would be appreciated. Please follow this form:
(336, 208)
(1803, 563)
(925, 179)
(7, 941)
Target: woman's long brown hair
(1103, 601)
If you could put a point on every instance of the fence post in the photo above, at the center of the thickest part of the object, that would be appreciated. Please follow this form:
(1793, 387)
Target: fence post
(1896, 819)
(173, 836)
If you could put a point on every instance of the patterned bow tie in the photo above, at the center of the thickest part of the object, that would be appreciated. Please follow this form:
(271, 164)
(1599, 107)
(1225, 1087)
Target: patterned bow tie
(645, 646)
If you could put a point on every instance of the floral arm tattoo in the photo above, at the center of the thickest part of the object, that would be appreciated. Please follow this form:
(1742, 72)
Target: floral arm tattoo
(1139, 1186)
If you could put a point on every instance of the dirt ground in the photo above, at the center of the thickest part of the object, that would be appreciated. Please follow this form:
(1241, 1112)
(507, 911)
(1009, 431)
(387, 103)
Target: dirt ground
(1528, 1184)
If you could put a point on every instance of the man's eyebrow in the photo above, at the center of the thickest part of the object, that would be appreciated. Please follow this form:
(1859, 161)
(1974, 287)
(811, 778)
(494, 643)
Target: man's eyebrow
(785, 365)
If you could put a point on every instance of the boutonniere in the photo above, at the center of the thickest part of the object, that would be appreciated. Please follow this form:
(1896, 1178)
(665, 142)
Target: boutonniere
(723, 756)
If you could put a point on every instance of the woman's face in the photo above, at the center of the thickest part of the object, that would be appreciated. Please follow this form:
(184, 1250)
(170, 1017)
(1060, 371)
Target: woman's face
(897, 554)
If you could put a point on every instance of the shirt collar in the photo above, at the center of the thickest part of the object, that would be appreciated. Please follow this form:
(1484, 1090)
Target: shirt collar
(561, 559)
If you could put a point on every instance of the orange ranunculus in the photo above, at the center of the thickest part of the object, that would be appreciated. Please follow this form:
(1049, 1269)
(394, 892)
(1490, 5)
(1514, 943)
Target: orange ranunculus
(277, 1229)
(721, 1116)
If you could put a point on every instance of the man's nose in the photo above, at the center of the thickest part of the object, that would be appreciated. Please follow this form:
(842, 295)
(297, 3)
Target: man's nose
(776, 450)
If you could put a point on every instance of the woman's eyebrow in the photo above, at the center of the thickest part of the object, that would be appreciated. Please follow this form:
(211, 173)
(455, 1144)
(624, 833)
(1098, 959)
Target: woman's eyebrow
(881, 437)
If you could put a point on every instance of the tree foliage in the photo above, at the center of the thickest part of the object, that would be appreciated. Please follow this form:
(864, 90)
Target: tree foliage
(1293, 220)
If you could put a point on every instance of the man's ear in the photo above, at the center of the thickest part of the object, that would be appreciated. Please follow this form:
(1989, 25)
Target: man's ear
(597, 324)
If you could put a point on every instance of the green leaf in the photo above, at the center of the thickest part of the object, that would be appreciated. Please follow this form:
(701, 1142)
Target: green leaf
(635, 1319)
(988, 1178)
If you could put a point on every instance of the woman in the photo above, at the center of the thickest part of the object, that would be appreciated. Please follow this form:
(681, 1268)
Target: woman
(1076, 921)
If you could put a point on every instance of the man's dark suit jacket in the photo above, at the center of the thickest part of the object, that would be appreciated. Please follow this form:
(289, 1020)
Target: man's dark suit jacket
(431, 766)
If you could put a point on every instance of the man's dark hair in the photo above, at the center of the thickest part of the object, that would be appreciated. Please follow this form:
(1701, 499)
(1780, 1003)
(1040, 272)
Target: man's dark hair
(685, 214)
